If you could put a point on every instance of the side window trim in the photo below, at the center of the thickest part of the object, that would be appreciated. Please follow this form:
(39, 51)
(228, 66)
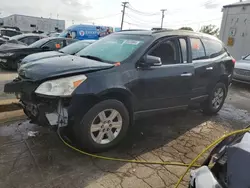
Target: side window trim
(158, 43)
(191, 53)
(189, 60)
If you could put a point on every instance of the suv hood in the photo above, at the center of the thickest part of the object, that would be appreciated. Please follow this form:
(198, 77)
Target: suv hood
(41, 55)
(12, 46)
(59, 66)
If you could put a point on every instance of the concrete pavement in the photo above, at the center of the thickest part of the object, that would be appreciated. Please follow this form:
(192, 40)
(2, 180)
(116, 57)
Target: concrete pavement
(44, 162)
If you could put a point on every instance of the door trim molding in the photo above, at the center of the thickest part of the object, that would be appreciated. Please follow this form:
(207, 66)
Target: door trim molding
(152, 111)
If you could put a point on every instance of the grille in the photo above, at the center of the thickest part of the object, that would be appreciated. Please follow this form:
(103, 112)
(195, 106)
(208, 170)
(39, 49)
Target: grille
(242, 72)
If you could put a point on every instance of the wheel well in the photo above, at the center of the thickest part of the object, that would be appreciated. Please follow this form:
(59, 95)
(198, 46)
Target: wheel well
(224, 80)
(124, 98)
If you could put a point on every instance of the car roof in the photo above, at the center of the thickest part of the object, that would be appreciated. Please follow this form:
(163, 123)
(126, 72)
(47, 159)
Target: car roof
(166, 33)
(32, 34)
(27, 35)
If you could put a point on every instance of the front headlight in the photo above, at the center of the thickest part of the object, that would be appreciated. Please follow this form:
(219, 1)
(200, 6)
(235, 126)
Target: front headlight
(62, 87)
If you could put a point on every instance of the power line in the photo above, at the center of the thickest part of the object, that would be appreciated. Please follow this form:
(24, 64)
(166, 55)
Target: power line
(130, 7)
(107, 16)
(141, 21)
(204, 21)
(147, 26)
(139, 25)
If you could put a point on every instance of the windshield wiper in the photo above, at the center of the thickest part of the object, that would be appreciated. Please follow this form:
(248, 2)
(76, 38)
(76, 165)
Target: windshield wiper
(92, 57)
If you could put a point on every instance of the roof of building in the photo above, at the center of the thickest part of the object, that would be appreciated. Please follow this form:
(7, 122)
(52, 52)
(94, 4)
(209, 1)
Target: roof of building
(33, 17)
(238, 4)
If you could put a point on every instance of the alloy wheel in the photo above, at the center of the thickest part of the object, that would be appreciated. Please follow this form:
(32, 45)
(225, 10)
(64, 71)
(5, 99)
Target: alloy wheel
(218, 98)
(106, 126)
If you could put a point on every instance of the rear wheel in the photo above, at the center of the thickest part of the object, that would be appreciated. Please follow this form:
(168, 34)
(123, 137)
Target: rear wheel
(103, 126)
(215, 99)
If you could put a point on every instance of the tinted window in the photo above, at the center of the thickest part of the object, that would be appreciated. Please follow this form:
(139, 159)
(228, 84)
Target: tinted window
(167, 51)
(69, 41)
(39, 43)
(29, 40)
(115, 48)
(198, 51)
(183, 44)
(54, 44)
(12, 33)
(75, 47)
(213, 48)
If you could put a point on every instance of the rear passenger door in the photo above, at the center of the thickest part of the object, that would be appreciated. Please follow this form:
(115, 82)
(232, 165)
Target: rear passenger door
(203, 68)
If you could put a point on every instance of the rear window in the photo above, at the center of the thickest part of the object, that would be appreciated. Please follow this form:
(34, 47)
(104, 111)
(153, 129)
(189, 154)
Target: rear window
(198, 51)
(213, 48)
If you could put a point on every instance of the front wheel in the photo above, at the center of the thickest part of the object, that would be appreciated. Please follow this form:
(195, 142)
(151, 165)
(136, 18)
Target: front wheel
(215, 99)
(103, 126)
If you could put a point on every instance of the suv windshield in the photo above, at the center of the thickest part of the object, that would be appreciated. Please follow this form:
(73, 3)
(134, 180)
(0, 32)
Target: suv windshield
(247, 57)
(75, 47)
(38, 43)
(114, 48)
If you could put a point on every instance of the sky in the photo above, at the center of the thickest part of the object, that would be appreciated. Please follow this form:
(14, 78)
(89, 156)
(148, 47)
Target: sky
(139, 14)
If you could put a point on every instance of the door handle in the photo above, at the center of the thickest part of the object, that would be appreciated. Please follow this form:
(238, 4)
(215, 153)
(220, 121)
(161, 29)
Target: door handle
(186, 74)
(209, 68)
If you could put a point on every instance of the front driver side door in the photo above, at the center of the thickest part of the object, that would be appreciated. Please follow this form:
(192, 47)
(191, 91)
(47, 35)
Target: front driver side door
(168, 86)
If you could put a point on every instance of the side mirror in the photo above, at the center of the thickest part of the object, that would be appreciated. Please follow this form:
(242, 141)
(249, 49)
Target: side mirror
(45, 48)
(150, 60)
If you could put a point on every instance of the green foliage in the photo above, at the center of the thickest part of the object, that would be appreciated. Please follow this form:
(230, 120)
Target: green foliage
(186, 28)
(210, 29)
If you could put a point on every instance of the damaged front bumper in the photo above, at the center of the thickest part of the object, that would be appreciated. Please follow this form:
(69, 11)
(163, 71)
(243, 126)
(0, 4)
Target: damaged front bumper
(44, 111)
(46, 114)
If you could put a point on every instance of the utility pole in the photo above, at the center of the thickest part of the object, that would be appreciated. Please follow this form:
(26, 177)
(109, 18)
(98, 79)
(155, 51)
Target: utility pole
(123, 12)
(162, 17)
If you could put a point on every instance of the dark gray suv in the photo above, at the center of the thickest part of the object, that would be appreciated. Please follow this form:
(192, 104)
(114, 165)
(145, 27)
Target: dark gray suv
(99, 92)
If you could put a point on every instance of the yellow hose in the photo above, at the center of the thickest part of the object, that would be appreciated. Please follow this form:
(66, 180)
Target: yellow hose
(206, 149)
(192, 164)
(124, 160)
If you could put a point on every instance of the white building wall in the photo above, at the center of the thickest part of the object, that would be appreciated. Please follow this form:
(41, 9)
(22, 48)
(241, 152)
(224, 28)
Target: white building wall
(236, 24)
(25, 22)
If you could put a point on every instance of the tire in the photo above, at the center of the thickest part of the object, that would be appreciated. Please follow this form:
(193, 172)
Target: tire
(208, 107)
(84, 131)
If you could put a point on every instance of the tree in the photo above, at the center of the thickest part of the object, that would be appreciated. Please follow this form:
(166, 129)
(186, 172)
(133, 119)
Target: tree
(186, 28)
(210, 29)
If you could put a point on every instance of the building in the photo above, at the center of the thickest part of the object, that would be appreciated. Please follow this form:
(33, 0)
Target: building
(235, 28)
(30, 23)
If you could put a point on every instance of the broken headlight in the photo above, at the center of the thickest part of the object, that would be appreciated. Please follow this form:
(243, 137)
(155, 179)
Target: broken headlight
(62, 87)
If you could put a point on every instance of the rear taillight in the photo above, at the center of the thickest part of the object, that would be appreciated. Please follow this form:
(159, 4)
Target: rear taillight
(234, 61)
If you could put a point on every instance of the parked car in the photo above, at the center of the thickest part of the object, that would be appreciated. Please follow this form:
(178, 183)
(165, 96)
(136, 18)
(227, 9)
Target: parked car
(2, 41)
(10, 58)
(99, 92)
(242, 70)
(54, 34)
(24, 39)
(6, 33)
(71, 49)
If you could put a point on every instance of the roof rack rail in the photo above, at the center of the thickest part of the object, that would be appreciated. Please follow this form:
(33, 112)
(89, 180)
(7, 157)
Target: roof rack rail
(133, 30)
(162, 30)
